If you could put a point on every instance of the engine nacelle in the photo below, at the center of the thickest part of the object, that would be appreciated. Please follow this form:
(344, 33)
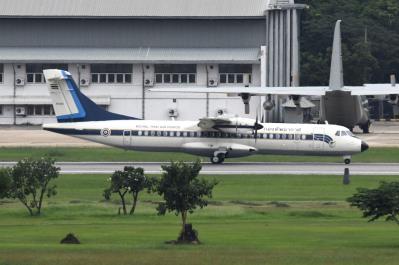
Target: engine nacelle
(239, 125)
(208, 149)
(268, 105)
(296, 99)
(246, 97)
(393, 99)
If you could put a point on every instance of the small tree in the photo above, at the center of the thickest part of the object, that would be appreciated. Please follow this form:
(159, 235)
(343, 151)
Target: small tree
(130, 180)
(182, 191)
(30, 180)
(5, 183)
(379, 202)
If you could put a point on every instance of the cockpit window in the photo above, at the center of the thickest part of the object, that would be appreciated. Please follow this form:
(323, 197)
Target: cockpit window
(344, 133)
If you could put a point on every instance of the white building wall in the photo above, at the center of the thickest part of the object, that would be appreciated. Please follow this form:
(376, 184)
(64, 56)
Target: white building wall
(128, 98)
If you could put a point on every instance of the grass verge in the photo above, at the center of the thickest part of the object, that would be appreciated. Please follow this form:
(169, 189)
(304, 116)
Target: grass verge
(250, 220)
(385, 155)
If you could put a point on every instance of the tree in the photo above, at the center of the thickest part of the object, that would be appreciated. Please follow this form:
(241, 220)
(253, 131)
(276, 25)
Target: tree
(370, 33)
(30, 181)
(130, 180)
(379, 202)
(182, 191)
(5, 182)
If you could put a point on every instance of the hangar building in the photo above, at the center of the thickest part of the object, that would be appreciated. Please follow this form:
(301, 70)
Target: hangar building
(118, 49)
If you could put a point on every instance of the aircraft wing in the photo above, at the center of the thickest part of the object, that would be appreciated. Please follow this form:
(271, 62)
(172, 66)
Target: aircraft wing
(366, 90)
(209, 123)
(300, 91)
(373, 90)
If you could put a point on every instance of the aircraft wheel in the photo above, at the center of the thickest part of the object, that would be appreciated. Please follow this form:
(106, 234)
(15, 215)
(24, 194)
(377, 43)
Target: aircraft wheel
(218, 159)
(366, 127)
(347, 161)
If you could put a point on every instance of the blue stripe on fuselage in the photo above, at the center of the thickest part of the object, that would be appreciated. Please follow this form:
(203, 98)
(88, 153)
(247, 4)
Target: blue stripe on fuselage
(95, 132)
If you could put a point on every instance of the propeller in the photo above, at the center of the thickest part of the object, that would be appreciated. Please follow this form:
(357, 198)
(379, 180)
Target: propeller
(257, 126)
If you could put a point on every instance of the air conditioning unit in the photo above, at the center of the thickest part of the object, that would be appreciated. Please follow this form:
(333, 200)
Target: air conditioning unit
(84, 82)
(20, 111)
(173, 113)
(148, 82)
(212, 82)
(19, 81)
(221, 112)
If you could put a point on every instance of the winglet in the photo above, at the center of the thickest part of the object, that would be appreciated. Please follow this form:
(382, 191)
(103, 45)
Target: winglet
(336, 70)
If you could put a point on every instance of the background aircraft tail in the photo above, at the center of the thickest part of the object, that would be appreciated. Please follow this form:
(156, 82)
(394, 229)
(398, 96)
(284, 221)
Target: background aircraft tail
(70, 105)
(336, 70)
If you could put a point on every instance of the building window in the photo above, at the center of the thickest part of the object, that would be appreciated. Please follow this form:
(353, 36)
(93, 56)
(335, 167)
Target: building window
(111, 73)
(235, 73)
(34, 71)
(40, 110)
(1, 73)
(175, 73)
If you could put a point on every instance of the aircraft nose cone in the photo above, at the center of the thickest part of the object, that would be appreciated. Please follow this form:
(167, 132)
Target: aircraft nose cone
(364, 146)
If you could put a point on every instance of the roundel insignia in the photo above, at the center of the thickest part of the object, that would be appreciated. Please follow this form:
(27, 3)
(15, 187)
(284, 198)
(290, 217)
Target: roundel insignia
(105, 132)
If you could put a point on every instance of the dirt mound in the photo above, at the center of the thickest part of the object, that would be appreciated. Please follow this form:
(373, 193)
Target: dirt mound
(188, 236)
(70, 239)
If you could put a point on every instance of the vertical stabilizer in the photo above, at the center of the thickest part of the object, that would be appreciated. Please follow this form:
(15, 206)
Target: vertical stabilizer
(336, 71)
(70, 105)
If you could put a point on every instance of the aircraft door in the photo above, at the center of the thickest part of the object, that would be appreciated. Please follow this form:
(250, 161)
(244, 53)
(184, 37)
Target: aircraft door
(127, 138)
(297, 140)
(318, 138)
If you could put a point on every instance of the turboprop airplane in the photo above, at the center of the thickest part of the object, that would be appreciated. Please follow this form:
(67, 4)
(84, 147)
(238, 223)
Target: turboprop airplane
(339, 104)
(217, 138)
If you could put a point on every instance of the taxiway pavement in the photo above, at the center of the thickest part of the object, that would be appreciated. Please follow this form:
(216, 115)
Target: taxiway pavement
(242, 168)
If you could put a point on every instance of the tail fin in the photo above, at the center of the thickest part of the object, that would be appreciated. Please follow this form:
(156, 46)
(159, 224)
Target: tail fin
(336, 70)
(70, 105)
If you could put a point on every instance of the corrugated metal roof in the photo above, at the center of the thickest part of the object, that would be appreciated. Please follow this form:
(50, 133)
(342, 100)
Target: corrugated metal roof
(128, 55)
(133, 8)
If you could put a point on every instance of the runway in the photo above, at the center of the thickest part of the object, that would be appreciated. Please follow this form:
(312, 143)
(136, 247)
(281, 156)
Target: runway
(235, 168)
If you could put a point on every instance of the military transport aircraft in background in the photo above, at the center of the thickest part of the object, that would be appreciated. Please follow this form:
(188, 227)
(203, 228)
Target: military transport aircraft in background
(217, 138)
(339, 104)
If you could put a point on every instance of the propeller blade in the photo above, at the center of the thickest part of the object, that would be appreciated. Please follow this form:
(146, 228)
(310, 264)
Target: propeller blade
(256, 127)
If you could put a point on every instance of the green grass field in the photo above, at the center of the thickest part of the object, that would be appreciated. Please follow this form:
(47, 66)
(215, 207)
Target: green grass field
(251, 220)
(386, 155)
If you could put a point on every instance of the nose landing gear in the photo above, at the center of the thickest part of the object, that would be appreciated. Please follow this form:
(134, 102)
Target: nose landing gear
(347, 160)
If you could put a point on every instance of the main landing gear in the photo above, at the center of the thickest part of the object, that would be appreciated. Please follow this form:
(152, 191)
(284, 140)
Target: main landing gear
(365, 127)
(347, 160)
(218, 157)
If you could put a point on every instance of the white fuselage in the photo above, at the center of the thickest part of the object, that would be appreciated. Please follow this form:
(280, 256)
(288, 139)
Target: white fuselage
(186, 136)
